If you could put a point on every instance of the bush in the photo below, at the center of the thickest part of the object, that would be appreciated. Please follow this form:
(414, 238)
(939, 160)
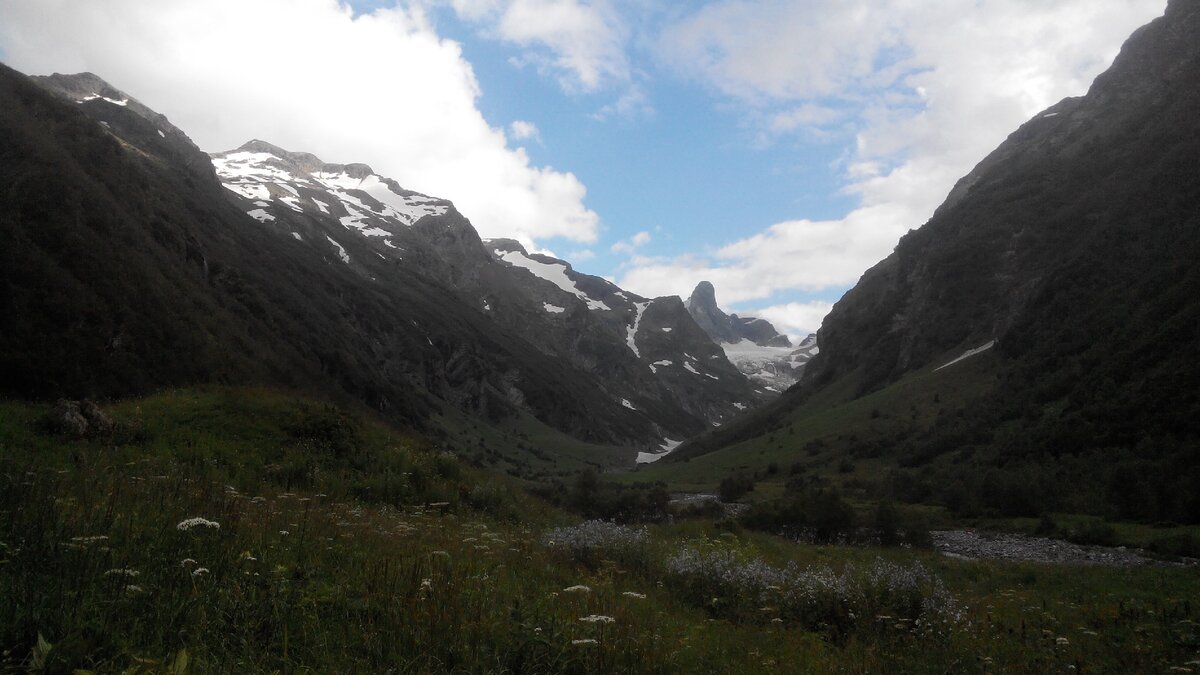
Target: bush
(1185, 545)
(1092, 531)
(734, 487)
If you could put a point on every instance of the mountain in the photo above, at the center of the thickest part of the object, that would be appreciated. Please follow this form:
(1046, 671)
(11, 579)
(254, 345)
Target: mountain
(753, 345)
(628, 343)
(155, 265)
(1031, 347)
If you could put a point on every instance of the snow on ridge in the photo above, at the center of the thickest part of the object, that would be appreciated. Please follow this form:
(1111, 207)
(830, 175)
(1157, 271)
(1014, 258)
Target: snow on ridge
(91, 97)
(631, 335)
(250, 174)
(968, 354)
(407, 210)
(555, 273)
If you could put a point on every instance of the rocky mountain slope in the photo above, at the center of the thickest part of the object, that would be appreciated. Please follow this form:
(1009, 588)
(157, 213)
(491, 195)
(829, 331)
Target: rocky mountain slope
(753, 345)
(263, 265)
(1064, 267)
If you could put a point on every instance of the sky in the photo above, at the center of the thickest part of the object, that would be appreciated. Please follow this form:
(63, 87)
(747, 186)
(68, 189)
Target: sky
(778, 148)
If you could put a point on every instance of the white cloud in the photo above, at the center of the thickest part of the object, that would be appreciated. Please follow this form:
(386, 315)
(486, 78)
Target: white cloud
(521, 130)
(928, 89)
(632, 244)
(582, 43)
(381, 88)
(795, 319)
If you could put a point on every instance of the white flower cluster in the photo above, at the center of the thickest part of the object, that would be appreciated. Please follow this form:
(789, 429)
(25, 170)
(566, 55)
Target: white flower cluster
(188, 524)
(596, 535)
(814, 592)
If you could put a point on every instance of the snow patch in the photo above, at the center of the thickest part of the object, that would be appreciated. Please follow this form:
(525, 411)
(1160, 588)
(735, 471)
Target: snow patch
(968, 354)
(631, 335)
(668, 446)
(297, 236)
(160, 133)
(553, 309)
(260, 215)
(625, 402)
(341, 251)
(687, 366)
(321, 205)
(666, 330)
(555, 273)
(740, 406)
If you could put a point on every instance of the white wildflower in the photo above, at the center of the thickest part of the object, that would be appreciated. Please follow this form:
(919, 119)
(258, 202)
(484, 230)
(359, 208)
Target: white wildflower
(199, 571)
(631, 594)
(580, 588)
(188, 524)
(585, 641)
(597, 618)
(122, 573)
(187, 561)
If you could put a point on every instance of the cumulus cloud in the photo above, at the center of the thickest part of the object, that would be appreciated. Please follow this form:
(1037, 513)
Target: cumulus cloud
(581, 43)
(795, 319)
(632, 244)
(924, 91)
(381, 88)
(524, 131)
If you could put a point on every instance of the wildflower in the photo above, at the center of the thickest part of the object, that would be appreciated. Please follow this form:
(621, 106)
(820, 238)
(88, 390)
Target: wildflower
(597, 618)
(577, 589)
(186, 561)
(585, 641)
(89, 540)
(188, 524)
(1062, 642)
(121, 573)
(199, 571)
(427, 584)
(776, 620)
(637, 596)
(440, 554)
(284, 533)
(133, 589)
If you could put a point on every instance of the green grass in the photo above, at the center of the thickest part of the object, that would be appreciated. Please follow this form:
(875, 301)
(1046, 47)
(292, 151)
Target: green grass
(831, 420)
(384, 554)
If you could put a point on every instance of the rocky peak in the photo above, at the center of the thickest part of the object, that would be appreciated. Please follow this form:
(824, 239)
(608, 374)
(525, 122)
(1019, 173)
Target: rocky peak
(730, 329)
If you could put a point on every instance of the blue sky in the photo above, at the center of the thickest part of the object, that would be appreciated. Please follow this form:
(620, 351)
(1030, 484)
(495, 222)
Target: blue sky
(775, 147)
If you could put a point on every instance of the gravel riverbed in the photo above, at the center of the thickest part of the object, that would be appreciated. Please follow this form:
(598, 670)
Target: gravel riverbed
(971, 545)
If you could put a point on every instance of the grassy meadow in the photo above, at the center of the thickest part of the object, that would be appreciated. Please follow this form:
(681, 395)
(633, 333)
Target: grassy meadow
(250, 531)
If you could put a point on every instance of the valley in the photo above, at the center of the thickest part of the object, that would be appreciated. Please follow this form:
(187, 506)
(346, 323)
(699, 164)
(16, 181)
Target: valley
(265, 412)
